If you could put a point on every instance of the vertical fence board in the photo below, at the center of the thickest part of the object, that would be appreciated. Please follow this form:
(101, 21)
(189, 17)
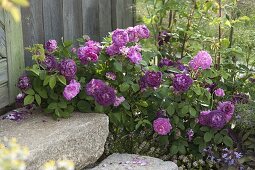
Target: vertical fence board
(72, 17)
(15, 54)
(3, 71)
(90, 15)
(2, 42)
(1, 15)
(105, 16)
(53, 19)
(4, 96)
(32, 24)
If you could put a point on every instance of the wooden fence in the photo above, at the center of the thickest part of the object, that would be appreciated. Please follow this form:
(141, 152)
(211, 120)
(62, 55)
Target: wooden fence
(70, 19)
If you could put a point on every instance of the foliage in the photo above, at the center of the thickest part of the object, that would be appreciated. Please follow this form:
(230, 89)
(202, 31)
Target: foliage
(12, 6)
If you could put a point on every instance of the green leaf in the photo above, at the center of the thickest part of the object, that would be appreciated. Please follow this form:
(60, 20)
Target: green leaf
(29, 100)
(135, 87)
(142, 103)
(38, 99)
(174, 149)
(171, 109)
(62, 79)
(185, 109)
(43, 93)
(118, 66)
(30, 92)
(62, 105)
(218, 138)
(53, 106)
(124, 87)
(208, 136)
(192, 111)
(115, 118)
(182, 149)
(99, 108)
(46, 80)
(53, 81)
(83, 106)
(126, 105)
(228, 141)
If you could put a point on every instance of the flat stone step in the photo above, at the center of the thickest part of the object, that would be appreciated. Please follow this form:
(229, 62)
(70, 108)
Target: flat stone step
(134, 162)
(80, 138)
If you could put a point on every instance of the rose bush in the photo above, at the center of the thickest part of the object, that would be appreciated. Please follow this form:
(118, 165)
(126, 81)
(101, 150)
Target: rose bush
(185, 101)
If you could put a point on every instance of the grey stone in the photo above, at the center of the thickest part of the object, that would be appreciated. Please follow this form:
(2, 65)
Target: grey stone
(134, 162)
(80, 138)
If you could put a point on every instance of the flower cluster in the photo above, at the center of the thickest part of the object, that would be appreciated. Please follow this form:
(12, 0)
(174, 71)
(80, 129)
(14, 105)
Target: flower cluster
(102, 93)
(219, 92)
(89, 52)
(202, 60)
(217, 119)
(182, 82)
(120, 39)
(71, 90)
(151, 79)
(231, 157)
(50, 63)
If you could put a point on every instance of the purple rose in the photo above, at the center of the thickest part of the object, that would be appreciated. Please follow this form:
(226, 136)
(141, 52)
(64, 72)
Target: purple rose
(94, 45)
(203, 117)
(165, 62)
(51, 45)
(50, 63)
(162, 126)
(132, 34)
(142, 83)
(24, 83)
(211, 87)
(227, 108)
(182, 82)
(163, 38)
(240, 98)
(134, 55)
(190, 134)
(110, 75)
(105, 96)
(118, 101)
(202, 60)
(113, 50)
(93, 86)
(219, 92)
(161, 113)
(217, 119)
(20, 99)
(67, 68)
(87, 54)
(71, 90)
(143, 31)
(120, 37)
(153, 78)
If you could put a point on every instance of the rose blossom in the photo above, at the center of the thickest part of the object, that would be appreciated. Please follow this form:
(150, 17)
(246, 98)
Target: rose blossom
(50, 63)
(132, 34)
(51, 45)
(105, 96)
(219, 92)
(143, 31)
(113, 50)
(215, 119)
(67, 68)
(182, 82)
(153, 79)
(120, 37)
(24, 83)
(165, 62)
(162, 126)
(87, 54)
(94, 45)
(134, 55)
(227, 108)
(202, 60)
(71, 90)
(203, 117)
(118, 101)
(94, 85)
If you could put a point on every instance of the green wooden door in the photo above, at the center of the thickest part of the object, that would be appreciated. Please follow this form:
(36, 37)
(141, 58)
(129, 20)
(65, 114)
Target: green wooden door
(11, 58)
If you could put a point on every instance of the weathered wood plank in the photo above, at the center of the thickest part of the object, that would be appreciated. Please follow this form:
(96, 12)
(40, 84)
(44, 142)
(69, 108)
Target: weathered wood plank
(4, 96)
(2, 42)
(3, 71)
(32, 23)
(15, 54)
(72, 19)
(1, 16)
(53, 19)
(90, 15)
(105, 16)
(128, 15)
